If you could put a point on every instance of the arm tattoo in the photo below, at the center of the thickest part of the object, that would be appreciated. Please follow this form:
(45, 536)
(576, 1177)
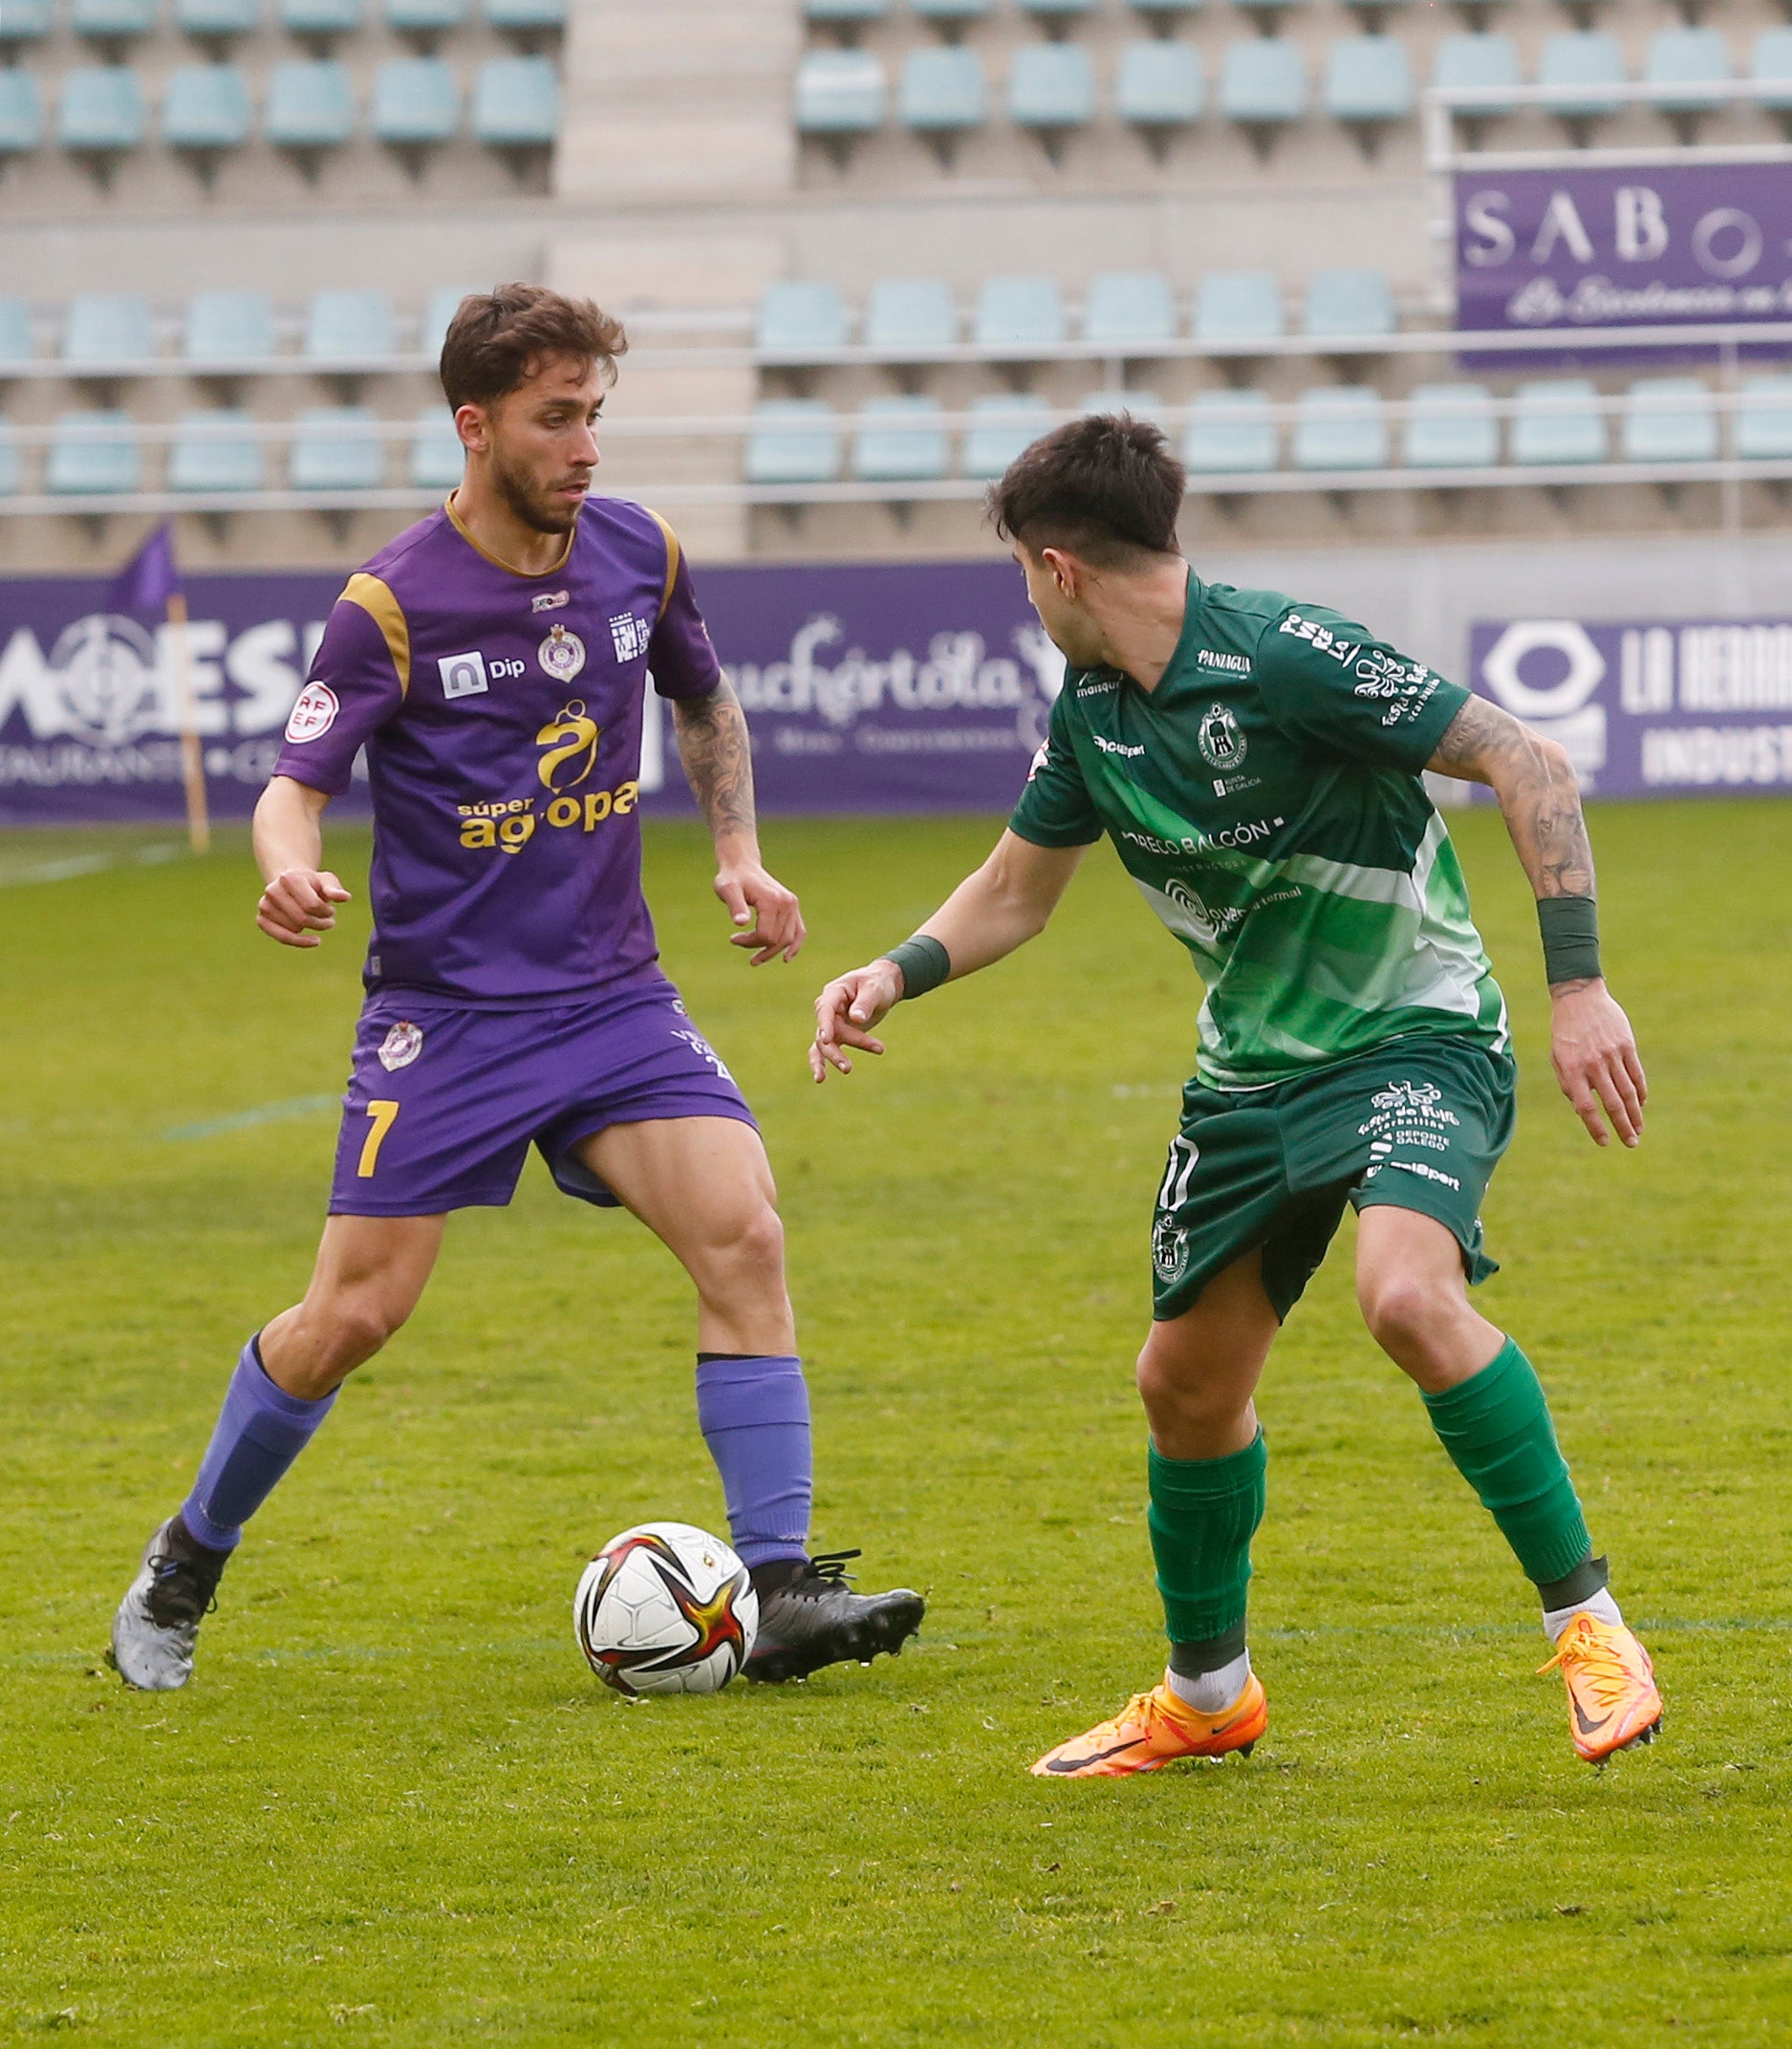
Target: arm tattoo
(1537, 790)
(717, 760)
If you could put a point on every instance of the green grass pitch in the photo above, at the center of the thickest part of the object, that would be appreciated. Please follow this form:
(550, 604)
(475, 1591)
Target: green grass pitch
(393, 1807)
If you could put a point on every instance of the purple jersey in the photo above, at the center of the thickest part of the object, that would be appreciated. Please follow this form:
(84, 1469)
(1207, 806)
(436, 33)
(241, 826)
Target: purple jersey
(502, 719)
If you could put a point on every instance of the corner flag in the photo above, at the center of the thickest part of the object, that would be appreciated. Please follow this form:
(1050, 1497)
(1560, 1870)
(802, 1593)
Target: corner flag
(150, 582)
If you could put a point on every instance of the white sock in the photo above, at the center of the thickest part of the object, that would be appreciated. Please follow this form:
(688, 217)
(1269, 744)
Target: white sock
(1601, 1604)
(1210, 1692)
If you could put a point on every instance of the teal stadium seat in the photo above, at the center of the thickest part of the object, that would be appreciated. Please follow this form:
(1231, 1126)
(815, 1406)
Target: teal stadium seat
(107, 327)
(1339, 426)
(1578, 68)
(336, 448)
(1269, 10)
(111, 21)
(1003, 425)
(15, 332)
(217, 19)
(839, 93)
(1770, 67)
(206, 107)
(1018, 315)
(1140, 404)
(1558, 421)
(1264, 84)
(9, 462)
(1051, 87)
(101, 110)
(844, 13)
(228, 327)
(319, 20)
(526, 17)
(416, 101)
(1055, 12)
(24, 21)
(1229, 431)
(1368, 80)
(1687, 68)
(950, 16)
(1161, 86)
(1129, 309)
(309, 105)
(900, 440)
(343, 326)
(1764, 420)
(438, 458)
(425, 19)
(219, 451)
(793, 440)
(1451, 426)
(904, 314)
(1485, 64)
(21, 113)
(1235, 307)
(94, 455)
(942, 90)
(1164, 15)
(1669, 420)
(800, 317)
(516, 102)
(439, 310)
(1349, 306)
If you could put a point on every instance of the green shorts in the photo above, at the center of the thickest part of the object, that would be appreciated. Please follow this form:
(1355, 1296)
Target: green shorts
(1418, 1123)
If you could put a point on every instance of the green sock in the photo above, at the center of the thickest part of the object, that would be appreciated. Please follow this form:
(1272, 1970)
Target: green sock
(1497, 1430)
(1203, 1514)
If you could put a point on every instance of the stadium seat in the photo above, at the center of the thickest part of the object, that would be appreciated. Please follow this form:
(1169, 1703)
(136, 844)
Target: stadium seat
(350, 327)
(942, 90)
(438, 459)
(1340, 427)
(1368, 80)
(9, 462)
(112, 21)
(526, 18)
(1003, 423)
(107, 327)
(24, 21)
(1163, 15)
(1161, 86)
(1770, 67)
(910, 313)
(1239, 305)
(1018, 314)
(1688, 69)
(798, 317)
(793, 440)
(844, 13)
(416, 101)
(1558, 420)
(217, 19)
(900, 440)
(1263, 85)
(309, 105)
(1451, 426)
(1764, 420)
(101, 110)
(1229, 430)
(21, 113)
(1577, 68)
(1140, 404)
(92, 454)
(1349, 306)
(321, 20)
(15, 332)
(839, 93)
(439, 310)
(1051, 88)
(217, 452)
(1129, 309)
(949, 16)
(1669, 420)
(423, 20)
(229, 327)
(516, 102)
(1486, 64)
(1054, 14)
(337, 448)
(206, 107)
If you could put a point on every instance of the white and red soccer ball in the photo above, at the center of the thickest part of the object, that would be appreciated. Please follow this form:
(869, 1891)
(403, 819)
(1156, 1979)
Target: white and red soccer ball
(666, 1608)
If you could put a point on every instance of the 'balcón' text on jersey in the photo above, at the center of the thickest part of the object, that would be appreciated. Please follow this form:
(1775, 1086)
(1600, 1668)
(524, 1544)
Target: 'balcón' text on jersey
(502, 718)
(1268, 801)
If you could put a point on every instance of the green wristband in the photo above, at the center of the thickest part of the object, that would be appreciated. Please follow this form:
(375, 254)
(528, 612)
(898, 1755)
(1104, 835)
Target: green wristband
(1570, 930)
(925, 963)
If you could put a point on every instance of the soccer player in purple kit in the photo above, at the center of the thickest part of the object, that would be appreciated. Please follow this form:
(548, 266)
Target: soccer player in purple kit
(492, 660)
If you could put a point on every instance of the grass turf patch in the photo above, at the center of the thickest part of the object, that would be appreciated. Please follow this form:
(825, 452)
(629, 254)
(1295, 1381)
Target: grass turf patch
(394, 1804)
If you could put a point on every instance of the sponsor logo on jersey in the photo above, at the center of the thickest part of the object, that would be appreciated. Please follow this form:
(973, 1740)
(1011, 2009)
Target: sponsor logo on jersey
(549, 600)
(1229, 785)
(570, 739)
(1324, 640)
(562, 654)
(1116, 746)
(312, 714)
(629, 636)
(1221, 743)
(401, 1046)
(1207, 658)
(462, 676)
(1039, 760)
(1099, 684)
(1408, 1095)
(702, 1048)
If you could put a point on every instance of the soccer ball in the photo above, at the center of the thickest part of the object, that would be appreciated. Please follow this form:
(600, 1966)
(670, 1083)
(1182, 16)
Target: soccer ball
(666, 1608)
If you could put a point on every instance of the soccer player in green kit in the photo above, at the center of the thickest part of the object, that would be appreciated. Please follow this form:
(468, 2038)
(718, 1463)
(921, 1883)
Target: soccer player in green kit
(1257, 764)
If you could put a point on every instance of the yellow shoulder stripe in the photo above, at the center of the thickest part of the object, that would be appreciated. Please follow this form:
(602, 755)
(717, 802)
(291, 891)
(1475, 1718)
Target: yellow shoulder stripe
(377, 600)
(672, 557)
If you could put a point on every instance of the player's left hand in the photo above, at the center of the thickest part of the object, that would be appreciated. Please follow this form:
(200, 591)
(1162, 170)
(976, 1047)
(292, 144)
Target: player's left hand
(770, 911)
(1594, 1054)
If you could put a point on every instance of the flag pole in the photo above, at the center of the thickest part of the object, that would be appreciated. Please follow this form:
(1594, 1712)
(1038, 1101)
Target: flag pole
(192, 756)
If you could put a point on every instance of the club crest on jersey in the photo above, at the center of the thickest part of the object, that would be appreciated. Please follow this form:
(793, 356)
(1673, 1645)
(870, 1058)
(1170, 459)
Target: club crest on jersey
(570, 739)
(312, 714)
(401, 1046)
(1217, 737)
(549, 600)
(562, 654)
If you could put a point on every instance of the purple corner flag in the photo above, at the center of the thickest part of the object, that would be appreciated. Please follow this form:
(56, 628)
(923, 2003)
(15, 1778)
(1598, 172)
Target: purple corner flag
(149, 578)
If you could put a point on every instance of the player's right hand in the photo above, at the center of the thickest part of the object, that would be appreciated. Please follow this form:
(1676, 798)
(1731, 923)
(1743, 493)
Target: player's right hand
(846, 1010)
(297, 906)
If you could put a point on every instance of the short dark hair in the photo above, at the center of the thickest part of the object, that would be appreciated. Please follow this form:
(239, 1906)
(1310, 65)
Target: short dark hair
(498, 338)
(1105, 488)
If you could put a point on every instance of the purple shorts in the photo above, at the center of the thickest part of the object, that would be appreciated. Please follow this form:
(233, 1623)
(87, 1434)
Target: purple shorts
(444, 1102)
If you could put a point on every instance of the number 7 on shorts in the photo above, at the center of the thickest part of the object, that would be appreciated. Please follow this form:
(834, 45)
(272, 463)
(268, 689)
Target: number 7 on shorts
(385, 1116)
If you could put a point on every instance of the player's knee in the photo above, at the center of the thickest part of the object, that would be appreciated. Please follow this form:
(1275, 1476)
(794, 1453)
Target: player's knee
(746, 1259)
(356, 1328)
(1175, 1390)
(1405, 1311)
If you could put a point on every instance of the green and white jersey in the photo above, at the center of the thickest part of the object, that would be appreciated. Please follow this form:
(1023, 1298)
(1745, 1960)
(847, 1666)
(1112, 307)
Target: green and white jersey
(1267, 799)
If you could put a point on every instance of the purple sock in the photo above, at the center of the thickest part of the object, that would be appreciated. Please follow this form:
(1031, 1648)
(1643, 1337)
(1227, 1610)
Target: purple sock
(754, 1413)
(259, 1432)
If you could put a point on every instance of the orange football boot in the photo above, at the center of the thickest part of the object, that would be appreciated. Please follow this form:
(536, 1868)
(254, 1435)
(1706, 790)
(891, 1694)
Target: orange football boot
(1612, 1700)
(1156, 1729)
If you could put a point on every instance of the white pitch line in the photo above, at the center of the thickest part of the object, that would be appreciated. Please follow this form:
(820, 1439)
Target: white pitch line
(242, 1121)
(87, 864)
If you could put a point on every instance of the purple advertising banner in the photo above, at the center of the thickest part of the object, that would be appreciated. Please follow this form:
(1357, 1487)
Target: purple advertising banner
(1647, 246)
(895, 687)
(1649, 708)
